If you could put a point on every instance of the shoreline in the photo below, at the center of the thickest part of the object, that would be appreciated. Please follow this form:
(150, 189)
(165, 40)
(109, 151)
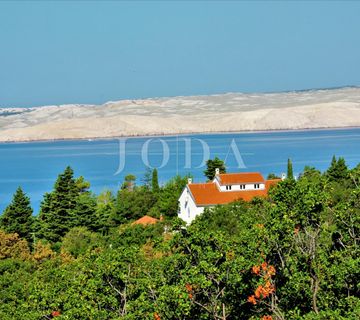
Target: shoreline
(233, 113)
(90, 139)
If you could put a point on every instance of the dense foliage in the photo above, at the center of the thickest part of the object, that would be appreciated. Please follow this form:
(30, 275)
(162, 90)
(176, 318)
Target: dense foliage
(294, 255)
(17, 217)
(212, 165)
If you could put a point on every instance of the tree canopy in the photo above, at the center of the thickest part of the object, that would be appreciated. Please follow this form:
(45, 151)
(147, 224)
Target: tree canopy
(293, 255)
(17, 217)
(212, 165)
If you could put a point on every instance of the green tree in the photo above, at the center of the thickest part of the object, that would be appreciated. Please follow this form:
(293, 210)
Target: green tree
(214, 268)
(132, 204)
(11, 246)
(129, 182)
(213, 164)
(57, 209)
(41, 225)
(105, 209)
(146, 180)
(228, 219)
(290, 174)
(82, 185)
(293, 255)
(155, 181)
(311, 173)
(78, 240)
(272, 176)
(84, 212)
(168, 197)
(17, 217)
(338, 170)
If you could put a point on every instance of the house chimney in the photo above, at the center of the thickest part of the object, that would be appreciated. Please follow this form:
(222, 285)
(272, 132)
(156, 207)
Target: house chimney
(283, 176)
(189, 180)
(217, 171)
(161, 217)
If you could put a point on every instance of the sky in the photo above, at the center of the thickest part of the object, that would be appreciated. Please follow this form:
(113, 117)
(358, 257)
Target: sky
(60, 52)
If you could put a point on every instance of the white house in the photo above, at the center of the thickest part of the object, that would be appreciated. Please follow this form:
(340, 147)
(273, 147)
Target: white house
(225, 188)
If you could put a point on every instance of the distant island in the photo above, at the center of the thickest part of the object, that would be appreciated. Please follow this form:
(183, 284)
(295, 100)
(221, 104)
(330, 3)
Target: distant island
(230, 112)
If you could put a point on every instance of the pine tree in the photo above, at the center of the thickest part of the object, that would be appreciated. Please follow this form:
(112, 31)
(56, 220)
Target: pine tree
(211, 165)
(338, 169)
(17, 217)
(57, 209)
(42, 227)
(155, 181)
(84, 213)
(342, 169)
(333, 163)
(290, 174)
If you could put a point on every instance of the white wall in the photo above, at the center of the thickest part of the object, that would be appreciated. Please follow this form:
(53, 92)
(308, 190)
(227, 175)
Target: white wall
(236, 187)
(189, 211)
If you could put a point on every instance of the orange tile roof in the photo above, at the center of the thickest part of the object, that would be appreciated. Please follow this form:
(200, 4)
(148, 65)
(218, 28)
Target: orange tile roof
(146, 220)
(271, 182)
(238, 178)
(207, 194)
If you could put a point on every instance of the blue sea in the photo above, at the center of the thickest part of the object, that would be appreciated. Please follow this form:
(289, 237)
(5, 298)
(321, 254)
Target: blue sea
(35, 166)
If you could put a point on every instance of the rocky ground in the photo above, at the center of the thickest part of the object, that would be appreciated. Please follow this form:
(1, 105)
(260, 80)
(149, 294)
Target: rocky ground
(330, 108)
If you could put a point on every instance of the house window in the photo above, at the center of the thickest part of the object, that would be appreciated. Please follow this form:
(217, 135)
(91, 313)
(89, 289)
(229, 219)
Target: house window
(242, 187)
(257, 186)
(228, 187)
(188, 212)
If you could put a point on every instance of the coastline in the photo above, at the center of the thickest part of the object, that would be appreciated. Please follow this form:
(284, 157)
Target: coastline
(231, 113)
(180, 135)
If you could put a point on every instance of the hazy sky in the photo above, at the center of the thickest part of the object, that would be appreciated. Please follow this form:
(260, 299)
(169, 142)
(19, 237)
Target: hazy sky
(92, 52)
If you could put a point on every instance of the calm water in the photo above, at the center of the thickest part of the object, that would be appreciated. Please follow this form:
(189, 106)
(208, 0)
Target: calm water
(35, 166)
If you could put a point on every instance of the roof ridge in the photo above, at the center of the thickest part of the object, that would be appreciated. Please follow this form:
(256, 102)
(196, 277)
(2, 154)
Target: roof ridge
(255, 172)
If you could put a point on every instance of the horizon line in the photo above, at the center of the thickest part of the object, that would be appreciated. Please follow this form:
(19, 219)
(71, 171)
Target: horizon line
(192, 95)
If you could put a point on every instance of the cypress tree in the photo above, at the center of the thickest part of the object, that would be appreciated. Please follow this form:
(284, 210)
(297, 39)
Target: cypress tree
(17, 217)
(290, 174)
(155, 181)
